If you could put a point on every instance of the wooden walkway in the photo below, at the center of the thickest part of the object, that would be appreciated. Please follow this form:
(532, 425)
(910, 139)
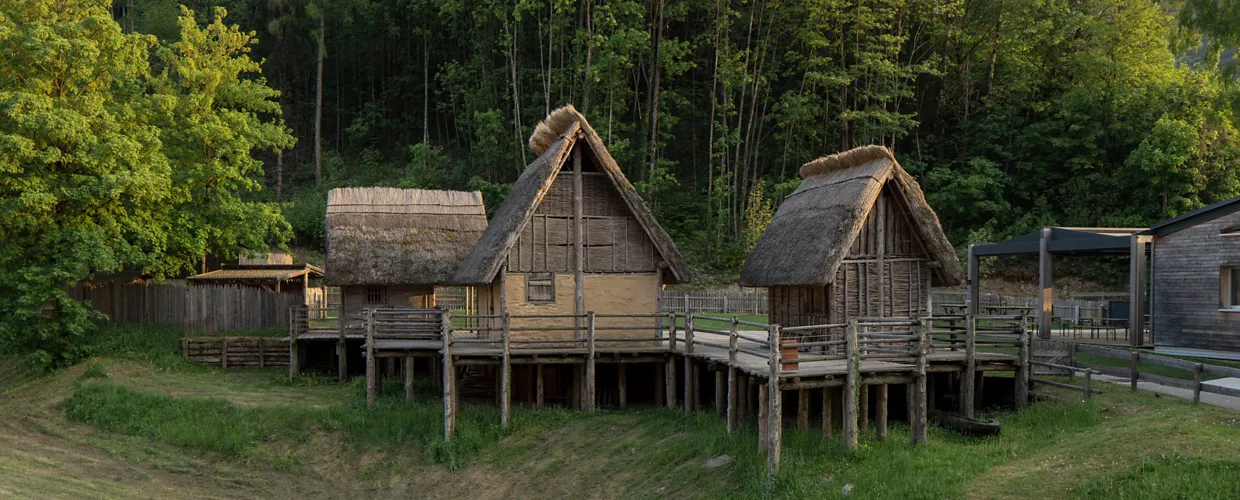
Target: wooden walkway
(845, 363)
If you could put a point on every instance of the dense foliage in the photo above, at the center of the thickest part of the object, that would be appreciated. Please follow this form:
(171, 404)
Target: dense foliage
(120, 152)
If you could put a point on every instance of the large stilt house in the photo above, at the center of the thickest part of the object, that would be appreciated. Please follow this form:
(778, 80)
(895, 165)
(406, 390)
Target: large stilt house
(572, 236)
(856, 239)
(389, 247)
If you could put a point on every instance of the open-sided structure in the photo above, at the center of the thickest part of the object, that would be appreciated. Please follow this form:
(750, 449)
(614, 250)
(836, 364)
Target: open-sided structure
(389, 247)
(856, 239)
(572, 236)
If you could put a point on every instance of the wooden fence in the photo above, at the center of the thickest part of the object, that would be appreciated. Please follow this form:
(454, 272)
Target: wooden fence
(1134, 374)
(236, 351)
(197, 308)
(747, 301)
(1070, 310)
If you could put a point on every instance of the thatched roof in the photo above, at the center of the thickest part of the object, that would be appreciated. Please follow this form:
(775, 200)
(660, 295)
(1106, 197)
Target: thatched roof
(815, 226)
(553, 140)
(389, 236)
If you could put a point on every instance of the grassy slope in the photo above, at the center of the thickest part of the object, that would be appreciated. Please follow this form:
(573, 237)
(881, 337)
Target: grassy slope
(268, 438)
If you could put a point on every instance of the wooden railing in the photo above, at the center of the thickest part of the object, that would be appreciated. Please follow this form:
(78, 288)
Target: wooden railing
(1134, 374)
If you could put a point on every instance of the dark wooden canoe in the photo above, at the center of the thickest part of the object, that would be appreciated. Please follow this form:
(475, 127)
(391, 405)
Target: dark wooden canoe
(964, 425)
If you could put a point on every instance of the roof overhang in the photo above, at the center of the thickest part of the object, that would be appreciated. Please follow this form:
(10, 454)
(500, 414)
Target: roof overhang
(1065, 241)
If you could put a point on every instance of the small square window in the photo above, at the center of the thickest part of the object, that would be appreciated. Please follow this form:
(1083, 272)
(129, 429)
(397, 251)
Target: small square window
(374, 295)
(1229, 289)
(540, 288)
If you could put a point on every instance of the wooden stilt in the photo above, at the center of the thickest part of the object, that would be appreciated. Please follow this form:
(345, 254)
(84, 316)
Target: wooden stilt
(659, 373)
(697, 386)
(851, 386)
(1022, 371)
(409, 379)
(720, 395)
(863, 409)
(505, 388)
(669, 379)
(742, 398)
(968, 378)
(623, 386)
(539, 401)
(803, 409)
(449, 378)
(342, 349)
(775, 428)
(732, 378)
(827, 430)
(880, 411)
(763, 409)
(918, 430)
(294, 357)
(690, 390)
(529, 385)
(372, 374)
(590, 398)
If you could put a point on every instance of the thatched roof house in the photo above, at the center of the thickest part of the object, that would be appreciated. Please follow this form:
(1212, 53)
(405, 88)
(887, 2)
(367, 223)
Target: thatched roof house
(553, 140)
(390, 236)
(856, 238)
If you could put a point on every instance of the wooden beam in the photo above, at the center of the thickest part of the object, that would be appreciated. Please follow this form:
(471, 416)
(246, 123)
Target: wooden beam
(1046, 298)
(579, 300)
(974, 284)
(1136, 290)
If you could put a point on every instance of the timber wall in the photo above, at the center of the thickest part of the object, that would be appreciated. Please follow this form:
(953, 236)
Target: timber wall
(198, 308)
(236, 351)
(398, 296)
(603, 293)
(1187, 295)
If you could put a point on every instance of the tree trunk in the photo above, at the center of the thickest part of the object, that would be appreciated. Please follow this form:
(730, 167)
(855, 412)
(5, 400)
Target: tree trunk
(318, 102)
(654, 88)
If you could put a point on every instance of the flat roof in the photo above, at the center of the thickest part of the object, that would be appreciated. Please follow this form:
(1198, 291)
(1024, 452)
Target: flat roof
(271, 272)
(1065, 241)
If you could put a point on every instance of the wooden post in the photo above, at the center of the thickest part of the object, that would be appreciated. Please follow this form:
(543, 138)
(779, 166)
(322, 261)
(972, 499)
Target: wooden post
(1133, 375)
(775, 428)
(409, 379)
(1197, 383)
(671, 331)
(923, 418)
(224, 352)
(623, 385)
(741, 398)
(733, 388)
(763, 409)
(880, 418)
(697, 386)
(372, 372)
(1089, 382)
(505, 385)
(1136, 290)
(540, 402)
(1022, 370)
(803, 409)
(852, 381)
(720, 387)
(669, 379)
(449, 378)
(342, 347)
(1046, 298)
(863, 408)
(971, 306)
(690, 383)
(579, 297)
(589, 388)
(293, 355)
(827, 430)
(967, 388)
(262, 351)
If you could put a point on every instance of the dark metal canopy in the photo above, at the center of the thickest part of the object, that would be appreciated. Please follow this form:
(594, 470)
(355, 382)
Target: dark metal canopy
(1064, 241)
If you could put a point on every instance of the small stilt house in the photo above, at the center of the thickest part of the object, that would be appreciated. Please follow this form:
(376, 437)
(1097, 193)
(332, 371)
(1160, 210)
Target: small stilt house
(389, 247)
(572, 236)
(856, 239)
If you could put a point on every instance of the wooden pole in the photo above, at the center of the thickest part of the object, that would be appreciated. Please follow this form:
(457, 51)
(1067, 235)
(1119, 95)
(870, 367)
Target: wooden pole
(224, 352)
(669, 379)
(590, 388)
(505, 395)
(690, 390)
(863, 408)
(880, 418)
(1046, 299)
(852, 382)
(372, 372)
(623, 385)
(720, 396)
(733, 388)
(409, 379)
(1089, 382)
(540, 402)
(763, 409)
(1133, 374)
(1136, 290)
(967, 378)
(775, 428)
(919, 429)
(293, 355)
(803, 409)
(1196, 384)
(342, 347)
(449, 378)
(827, 428)
(1022, 371)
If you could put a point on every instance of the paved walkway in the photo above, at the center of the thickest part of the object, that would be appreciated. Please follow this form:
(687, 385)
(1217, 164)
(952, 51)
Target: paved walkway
(1206, 397)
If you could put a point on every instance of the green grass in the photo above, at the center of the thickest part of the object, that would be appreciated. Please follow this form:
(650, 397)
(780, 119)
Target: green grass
(1171, 476)
(700, 322)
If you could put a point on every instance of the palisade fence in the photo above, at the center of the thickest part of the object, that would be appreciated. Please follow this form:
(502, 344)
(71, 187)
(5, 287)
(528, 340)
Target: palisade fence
(748, 301)
(204, 309)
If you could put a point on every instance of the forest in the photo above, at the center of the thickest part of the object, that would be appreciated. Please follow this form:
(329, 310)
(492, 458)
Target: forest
(142, 135)
(1013, 114)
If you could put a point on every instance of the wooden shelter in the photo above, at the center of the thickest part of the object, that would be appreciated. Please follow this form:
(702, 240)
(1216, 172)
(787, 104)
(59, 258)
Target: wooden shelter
(856, 239)
(389, 247)
(572, 236)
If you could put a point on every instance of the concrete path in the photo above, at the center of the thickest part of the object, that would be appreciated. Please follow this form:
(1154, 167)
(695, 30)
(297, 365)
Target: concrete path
(1206, 397)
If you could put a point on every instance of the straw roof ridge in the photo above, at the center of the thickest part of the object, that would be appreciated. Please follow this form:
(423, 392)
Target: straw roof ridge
(814, 228)
(391, 236)
(553, 140)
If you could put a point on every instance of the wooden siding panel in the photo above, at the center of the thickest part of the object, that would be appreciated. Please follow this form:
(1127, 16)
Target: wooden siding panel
(1186, 295)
